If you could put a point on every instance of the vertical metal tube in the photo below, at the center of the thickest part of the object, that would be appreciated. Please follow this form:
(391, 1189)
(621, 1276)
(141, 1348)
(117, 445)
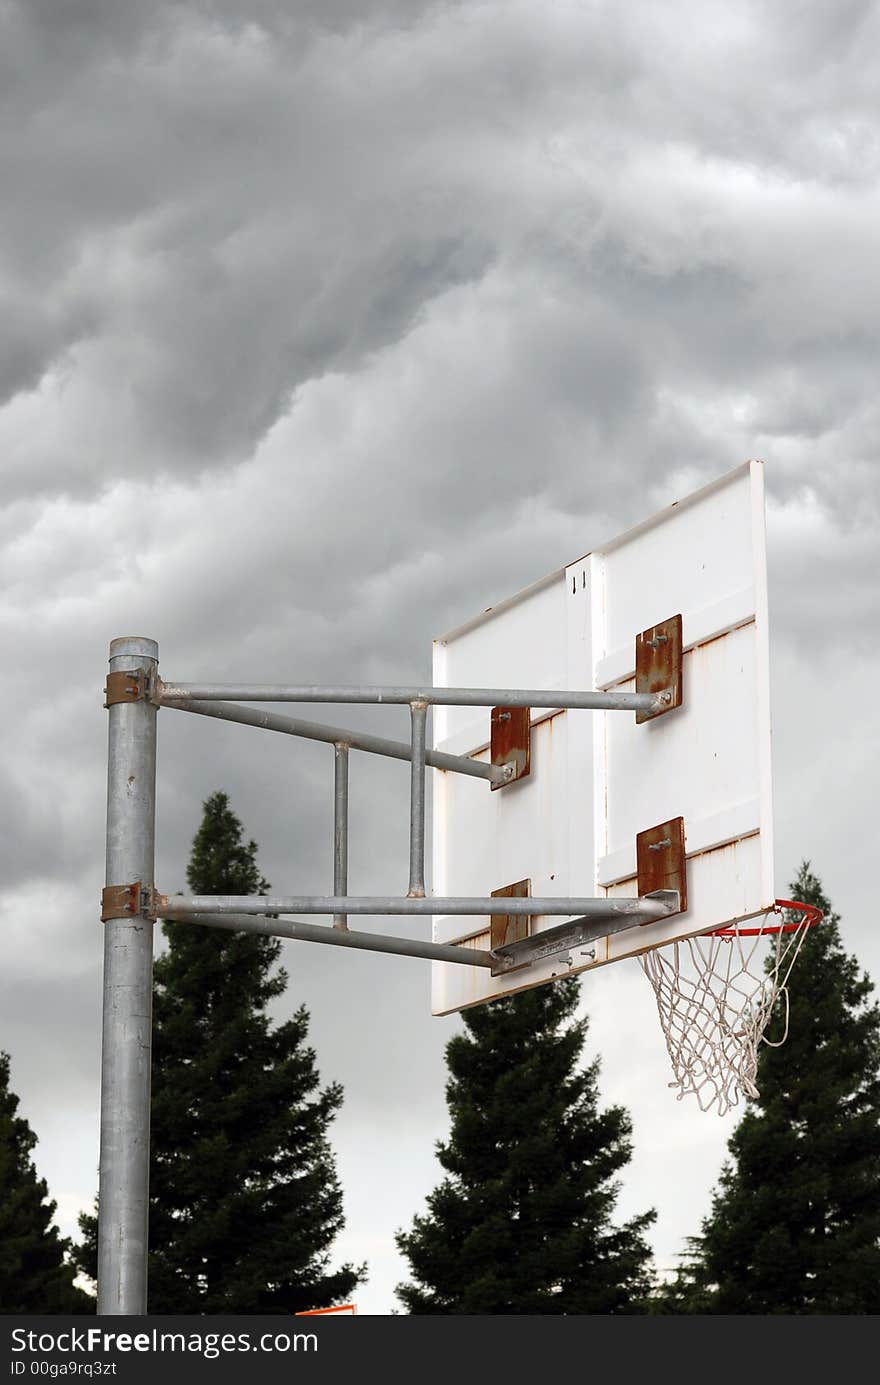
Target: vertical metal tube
(128, 984)
(419, 716)
(340, 828)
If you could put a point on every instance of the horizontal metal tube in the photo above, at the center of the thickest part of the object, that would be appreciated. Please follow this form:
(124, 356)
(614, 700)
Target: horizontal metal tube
(183, 906)
(336, 735)
(337, 937)
(440, 697)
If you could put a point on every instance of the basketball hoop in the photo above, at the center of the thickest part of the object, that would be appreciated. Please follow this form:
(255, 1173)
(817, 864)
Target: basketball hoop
(715, 996)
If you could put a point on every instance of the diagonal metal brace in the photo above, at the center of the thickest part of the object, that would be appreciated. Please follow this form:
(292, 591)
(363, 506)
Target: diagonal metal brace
(136, 900)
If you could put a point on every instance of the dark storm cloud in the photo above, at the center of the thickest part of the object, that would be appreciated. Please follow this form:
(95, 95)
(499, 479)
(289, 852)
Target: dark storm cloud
(221, 206)
(203, 205)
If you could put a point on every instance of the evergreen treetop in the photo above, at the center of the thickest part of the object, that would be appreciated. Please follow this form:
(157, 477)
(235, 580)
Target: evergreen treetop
(523, 1222)
(244, 1199)
(795, 1223)
(35, 1275)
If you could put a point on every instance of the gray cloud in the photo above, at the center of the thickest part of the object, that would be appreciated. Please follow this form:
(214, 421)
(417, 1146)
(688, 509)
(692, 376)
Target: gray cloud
(219, 215)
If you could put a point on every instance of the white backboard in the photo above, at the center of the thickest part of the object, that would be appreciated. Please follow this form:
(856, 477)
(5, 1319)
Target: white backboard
(598, 778)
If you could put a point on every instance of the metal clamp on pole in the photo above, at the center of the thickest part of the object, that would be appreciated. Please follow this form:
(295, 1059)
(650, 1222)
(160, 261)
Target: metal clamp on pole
(136, 899)
(128, 685)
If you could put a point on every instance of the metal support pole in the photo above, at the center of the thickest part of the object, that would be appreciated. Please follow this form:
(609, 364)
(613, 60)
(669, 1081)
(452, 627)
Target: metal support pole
(128, 984)
(419, 717)
(340, 829)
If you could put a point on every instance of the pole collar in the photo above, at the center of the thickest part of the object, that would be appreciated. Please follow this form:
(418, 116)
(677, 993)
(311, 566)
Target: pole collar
(128, 685)
(136, 900)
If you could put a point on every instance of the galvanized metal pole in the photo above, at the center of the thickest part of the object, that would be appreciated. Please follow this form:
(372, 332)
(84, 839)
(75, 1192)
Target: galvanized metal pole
(128, 984)
(419, 715)
(340, 829)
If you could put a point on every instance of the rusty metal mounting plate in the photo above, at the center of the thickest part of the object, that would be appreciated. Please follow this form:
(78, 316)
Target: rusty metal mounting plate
(127, 685)
(659, 665)
(136, 899)
(660, 859)
(510, 928)
(511, 740)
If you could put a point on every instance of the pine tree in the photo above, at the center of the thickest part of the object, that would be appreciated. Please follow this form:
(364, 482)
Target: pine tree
(244, 1198)
(35, 1275)
(795, 1223)
(522, 1224)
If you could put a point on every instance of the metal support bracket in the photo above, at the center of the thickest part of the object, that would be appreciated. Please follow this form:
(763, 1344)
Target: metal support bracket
(134, 900)
(660, 860)
(564, 938)
(128, 685)
(659, 666)
(511, 742)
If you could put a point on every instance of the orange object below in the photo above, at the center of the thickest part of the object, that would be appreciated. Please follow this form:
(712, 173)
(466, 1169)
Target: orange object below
(320, 1312)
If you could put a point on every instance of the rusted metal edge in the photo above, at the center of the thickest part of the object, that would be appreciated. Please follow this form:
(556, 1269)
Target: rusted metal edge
(134, 900)
(659, 665)
(510, 742)
(128, 685)
(510, 928)
(660, 860)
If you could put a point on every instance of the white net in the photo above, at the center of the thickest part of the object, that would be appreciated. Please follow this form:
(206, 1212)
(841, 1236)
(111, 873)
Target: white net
(715, 995)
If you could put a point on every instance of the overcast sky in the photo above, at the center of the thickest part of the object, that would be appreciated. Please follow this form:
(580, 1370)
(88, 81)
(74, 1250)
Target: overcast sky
(326, 325)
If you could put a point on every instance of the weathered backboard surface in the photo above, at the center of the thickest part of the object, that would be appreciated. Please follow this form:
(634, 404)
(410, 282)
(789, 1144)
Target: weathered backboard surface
(598, 778)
